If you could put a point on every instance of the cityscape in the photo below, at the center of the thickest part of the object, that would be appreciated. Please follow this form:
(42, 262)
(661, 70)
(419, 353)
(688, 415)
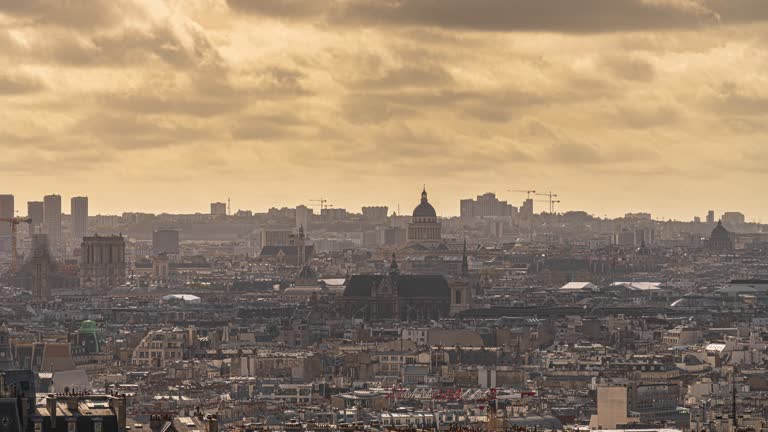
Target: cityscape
(383, 215)
(507, 316)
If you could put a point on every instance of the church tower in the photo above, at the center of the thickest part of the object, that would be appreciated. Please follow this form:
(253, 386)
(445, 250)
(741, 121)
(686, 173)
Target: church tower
(301, 250)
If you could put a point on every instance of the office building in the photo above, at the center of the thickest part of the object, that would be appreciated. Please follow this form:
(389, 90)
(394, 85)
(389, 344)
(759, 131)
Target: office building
(79, 207)
(102, 262)
(36, 213)
(218, 209)
(165, 241)
(484, 206)
(711, 217)
(52, 221)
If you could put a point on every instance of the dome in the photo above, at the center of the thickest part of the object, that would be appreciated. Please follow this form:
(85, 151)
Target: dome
(424, 209)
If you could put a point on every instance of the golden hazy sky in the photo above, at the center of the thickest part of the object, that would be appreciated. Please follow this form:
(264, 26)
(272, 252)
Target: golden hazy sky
(167, 105)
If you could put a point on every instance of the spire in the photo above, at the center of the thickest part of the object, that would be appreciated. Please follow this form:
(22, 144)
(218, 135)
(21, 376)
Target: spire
(464, 260)
(393, 268)
(424, 194)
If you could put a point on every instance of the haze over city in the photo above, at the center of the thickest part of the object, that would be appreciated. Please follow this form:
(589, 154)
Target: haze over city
(383, 216)
(618, 105)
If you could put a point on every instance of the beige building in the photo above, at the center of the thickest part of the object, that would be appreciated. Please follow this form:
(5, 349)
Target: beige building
(612, 408)
(161, 347)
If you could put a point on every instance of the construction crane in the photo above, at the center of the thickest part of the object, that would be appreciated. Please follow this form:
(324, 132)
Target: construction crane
(527, 192)
(551, 204)
(494, 423)
(14, 221)
(322, 202)
(550, 197)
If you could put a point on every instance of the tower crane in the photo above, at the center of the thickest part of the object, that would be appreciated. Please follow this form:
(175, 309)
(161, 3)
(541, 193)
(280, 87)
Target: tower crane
(551, 204)
(14, 221)
(322, 202)
(551, 197)
(527, 192)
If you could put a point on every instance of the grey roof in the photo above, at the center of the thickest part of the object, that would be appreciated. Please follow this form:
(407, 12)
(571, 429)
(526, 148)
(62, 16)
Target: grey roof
(407, 285)
(269, 251)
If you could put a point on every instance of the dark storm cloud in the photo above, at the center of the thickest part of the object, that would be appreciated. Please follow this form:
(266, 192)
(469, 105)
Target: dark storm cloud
(498, 15)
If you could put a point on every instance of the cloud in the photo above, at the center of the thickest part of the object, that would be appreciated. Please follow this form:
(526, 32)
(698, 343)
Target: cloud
(640, 117)
(584, 16)
(78, 14)
(19, 84)
(628, 68)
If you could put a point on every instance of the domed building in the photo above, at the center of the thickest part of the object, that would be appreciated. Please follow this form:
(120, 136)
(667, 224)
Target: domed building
(424, 227)
(720, 239)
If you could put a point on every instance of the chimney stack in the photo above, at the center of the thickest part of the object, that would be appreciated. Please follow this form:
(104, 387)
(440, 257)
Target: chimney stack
(213, 423)
(50, 403)
(155, 423)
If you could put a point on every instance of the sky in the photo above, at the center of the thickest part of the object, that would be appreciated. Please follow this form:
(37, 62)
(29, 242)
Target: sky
(168, 105)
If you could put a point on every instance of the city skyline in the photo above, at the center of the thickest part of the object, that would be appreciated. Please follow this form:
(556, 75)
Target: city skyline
(657, 106)
(453, 205)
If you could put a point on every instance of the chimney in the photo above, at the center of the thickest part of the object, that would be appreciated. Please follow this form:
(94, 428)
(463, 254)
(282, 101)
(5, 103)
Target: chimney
(24, 411)
(213, 423)
(119, 405)
(50, 402)
(155, 423)
(72, 402)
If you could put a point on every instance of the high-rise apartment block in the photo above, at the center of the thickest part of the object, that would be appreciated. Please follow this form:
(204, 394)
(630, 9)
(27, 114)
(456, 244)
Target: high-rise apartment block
(6, 211)
(486, 205)
(165, 241)
(52, 221)
(219, 209)
(375, 213)
(37, 214)
(303, 216)
(79, 206)
(733, 219)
